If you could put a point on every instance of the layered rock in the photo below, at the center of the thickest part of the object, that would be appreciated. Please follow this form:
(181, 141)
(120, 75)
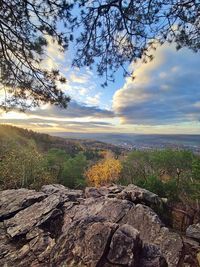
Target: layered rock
(193, 231)
(104, 227)
(12, 201)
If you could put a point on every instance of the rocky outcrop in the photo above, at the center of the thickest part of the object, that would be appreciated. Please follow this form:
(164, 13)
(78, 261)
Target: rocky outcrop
(102, 227)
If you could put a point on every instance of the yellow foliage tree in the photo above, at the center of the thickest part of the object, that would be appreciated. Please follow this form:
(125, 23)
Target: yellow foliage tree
(104, 172)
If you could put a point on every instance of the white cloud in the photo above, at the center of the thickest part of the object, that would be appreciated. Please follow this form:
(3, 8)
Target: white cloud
(54, 55)
(78, 78)
(93, 100)
(165, 91)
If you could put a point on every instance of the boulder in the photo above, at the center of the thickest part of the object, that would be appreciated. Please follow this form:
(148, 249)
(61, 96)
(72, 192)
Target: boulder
(191, 252)
(125, 246)
(93, 241)
(54, 188)
(113, 210)
(95, 192)
(139, 195)
(152, 230)
(131, 192)
(110, 191)
(171, 246)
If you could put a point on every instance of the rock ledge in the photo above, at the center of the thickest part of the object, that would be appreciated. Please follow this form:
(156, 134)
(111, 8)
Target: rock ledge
(104, 227)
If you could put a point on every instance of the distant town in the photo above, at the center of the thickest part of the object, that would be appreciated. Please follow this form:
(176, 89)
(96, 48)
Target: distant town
(159, 146)
(143, 141)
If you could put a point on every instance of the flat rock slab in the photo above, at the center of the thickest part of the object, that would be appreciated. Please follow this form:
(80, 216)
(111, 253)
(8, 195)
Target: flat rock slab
(12, 201)
(64, 192)
(112, 210)
(32, 216)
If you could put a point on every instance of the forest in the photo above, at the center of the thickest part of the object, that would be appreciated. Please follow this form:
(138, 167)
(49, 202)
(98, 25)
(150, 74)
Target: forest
(29, 159)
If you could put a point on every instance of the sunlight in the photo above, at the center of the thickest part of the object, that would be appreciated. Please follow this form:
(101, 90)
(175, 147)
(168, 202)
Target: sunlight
(12, 115)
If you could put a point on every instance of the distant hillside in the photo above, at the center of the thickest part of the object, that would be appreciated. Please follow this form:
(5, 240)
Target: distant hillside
(142, 141)
(45, 141)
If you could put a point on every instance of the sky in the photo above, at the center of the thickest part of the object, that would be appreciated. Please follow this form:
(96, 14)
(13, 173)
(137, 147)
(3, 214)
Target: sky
(164, 97)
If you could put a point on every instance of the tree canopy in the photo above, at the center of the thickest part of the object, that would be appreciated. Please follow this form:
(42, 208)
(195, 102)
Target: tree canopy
(117, 32)
(24, 27)
(108, 34)
(104, 172)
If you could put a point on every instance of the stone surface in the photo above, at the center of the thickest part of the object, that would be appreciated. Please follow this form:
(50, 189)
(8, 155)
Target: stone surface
(12, 201)
(193, 231)
(151, 224)
(33, 216)
(35, 252)
(152, 257)
(112, 210)
(83, 243)
(125, 246)
(137, 194)
(100, 227)
(153, 231)
(64, 192)
(95, 192)
(192, 250)
(198, 258)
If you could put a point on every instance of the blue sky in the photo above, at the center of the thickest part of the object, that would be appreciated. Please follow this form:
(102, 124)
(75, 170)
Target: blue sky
(163, 98)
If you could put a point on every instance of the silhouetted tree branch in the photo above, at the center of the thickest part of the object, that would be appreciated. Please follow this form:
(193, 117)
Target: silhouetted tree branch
(108, 34)
(24, 27)
(117, 32)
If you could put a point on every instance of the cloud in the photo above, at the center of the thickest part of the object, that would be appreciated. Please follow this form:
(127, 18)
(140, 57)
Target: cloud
(165, 91)
(55, 126)
(48, 113)
(77, 117)
(54, 55)
(164, 97)
(74, 110)
(93, 100)
(78, 78)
